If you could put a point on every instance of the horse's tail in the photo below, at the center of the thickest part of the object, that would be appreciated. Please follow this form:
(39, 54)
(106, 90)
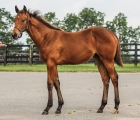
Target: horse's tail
(118, 58)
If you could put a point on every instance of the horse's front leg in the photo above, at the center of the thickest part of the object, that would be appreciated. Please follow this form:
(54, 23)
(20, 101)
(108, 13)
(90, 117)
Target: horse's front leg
(50, 100)
(53, 81)
(51, 76)
(60, 98)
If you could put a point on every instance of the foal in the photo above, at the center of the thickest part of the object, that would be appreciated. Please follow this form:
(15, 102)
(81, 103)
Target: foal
(57, 47)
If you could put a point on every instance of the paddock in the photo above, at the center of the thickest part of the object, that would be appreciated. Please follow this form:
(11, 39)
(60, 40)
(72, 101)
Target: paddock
(23, 95)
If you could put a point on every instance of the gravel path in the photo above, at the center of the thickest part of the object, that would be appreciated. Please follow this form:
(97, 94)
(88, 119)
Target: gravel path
(23, 96)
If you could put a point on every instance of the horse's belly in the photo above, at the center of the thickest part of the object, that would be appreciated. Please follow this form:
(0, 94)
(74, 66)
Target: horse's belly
(77, 57)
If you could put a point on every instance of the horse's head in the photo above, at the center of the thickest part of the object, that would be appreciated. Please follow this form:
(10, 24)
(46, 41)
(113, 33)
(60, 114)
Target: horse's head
(21, 22)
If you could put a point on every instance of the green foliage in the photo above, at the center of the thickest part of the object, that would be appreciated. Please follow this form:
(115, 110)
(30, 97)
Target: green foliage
(71, 22)
(119, 26)
(50, 16)
(6, 22)
(86, 18)
(90, 17)
(29, 41)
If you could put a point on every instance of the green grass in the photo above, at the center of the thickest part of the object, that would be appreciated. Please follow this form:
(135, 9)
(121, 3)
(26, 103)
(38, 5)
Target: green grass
(66, 68)
(23, 68)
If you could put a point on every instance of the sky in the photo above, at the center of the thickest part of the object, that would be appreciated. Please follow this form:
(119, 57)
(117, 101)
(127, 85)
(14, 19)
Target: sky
(111, 8)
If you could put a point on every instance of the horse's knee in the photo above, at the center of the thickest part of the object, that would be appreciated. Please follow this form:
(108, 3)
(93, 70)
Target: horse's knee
(106, 82)
(49, 85)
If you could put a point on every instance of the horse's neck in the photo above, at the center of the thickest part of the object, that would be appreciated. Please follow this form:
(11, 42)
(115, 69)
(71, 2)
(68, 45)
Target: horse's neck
(37, 31)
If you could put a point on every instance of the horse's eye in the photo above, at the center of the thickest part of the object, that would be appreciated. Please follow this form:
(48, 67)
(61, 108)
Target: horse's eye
(23, 20)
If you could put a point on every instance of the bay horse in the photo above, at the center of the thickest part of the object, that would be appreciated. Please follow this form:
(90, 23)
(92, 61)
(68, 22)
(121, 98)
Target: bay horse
(57, 47)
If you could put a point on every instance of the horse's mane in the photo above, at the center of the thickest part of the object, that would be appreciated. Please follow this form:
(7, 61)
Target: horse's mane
(37, 15)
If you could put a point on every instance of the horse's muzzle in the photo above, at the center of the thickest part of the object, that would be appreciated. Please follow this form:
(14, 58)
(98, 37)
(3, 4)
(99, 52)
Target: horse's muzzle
(16, 36)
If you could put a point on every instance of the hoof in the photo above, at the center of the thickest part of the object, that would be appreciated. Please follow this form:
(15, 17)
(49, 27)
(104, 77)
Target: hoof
(45, 113)
(58, 112)
(100, 111)
(115, 111)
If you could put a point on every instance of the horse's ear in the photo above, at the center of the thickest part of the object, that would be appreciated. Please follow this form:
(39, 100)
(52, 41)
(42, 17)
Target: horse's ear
(24, 9)
(16, 9)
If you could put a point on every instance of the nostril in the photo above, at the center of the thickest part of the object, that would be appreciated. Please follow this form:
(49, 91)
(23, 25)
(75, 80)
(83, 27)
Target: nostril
(14, 35)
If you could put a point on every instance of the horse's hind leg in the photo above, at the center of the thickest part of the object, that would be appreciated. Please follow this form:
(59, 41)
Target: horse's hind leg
(116, 91)
(105, 78)
(114, 78)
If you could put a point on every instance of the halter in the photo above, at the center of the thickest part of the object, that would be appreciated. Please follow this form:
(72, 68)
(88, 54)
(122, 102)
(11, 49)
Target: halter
(21, 31)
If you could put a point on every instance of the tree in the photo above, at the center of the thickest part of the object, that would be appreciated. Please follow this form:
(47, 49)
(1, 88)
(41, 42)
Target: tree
(90, 17)
(86, 18)
(6, 22)
(71, 22)
(51, 17)
(119, 26)
(29, 41)
(134, 34)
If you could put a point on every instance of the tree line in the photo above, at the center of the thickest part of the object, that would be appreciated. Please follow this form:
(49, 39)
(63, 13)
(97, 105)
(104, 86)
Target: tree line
(74, 22)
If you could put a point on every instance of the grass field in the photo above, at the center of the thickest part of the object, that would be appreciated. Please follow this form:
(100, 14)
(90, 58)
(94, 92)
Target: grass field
(66, 68)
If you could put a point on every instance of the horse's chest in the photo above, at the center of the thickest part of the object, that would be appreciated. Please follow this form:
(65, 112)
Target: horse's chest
(43, 54)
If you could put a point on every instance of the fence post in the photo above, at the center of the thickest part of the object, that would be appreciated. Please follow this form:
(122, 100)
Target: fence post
(135, 60)
(31, 55)
(5, 55)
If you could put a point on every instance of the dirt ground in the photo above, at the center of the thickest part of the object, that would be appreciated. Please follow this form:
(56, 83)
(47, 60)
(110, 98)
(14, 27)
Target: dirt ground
(23, 96)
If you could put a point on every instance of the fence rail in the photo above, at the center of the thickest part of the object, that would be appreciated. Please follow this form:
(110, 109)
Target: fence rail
(29, 54)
